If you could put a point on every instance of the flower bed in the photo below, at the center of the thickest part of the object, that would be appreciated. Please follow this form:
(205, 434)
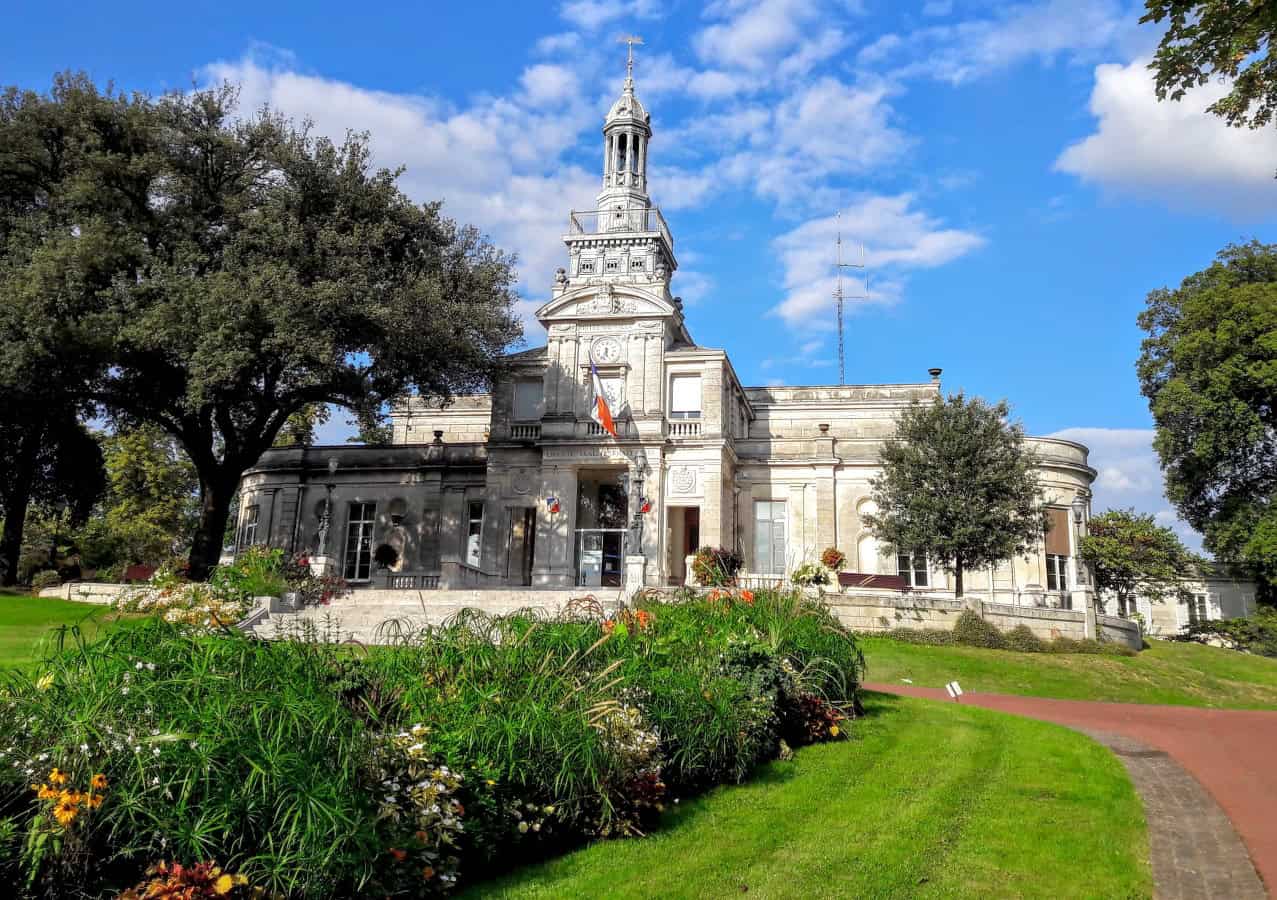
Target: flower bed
(320, 771)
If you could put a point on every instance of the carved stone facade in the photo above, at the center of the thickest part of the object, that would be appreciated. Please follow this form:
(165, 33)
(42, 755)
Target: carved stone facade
(521, 486)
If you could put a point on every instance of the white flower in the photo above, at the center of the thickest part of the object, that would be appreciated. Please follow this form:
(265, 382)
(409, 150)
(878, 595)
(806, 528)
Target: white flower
(124, 690)
(43, 756)
(155, 751)
(523, 828)
(151, 666)
(139, 665)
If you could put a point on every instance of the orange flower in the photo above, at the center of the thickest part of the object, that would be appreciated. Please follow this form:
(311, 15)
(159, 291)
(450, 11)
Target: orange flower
(608, 626)
(644, 618)
(399, 855)
(57, 776)
(95, 800)
(427, 873)
(98, 782)
(747, 596)
(44, 791)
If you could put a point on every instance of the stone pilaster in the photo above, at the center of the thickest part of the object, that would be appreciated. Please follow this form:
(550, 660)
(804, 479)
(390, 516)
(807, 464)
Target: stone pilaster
(555, 551)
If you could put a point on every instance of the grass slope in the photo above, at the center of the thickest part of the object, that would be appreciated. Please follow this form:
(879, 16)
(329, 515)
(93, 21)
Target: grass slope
(926, 800)
(1167, 672)
(26, 622)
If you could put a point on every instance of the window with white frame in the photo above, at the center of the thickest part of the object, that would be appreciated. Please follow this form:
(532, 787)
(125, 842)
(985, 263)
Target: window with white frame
(1198, 608)
(586, 267)
(685, 397)
(1057, 572)
(359, 541)
(913, 566)
(474, 534)
(248, 527)
(769, 537)
(527, 399)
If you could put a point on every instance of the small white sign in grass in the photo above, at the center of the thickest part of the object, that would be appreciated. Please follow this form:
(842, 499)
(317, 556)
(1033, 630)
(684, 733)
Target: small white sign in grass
(954, 689)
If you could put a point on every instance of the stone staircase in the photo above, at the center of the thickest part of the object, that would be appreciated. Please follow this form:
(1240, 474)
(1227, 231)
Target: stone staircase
(380, 616)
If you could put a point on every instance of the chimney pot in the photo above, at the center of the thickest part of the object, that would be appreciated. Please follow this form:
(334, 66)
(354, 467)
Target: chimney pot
(935, 374)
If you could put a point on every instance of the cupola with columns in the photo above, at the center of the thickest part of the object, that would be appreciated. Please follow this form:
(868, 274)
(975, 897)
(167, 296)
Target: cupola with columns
(624, 243)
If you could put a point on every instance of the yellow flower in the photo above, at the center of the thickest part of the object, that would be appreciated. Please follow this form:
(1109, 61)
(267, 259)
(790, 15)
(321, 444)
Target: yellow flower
(94, 801)
(65, 812)
(833, 730)
(45, 682)
(98, 782)
(44, 791)
(224, 885)
(57, 776)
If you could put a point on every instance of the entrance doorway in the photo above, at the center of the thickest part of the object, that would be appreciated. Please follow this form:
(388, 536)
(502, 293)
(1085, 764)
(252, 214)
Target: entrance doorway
(602, 528)
(683, 538)
(523, 532)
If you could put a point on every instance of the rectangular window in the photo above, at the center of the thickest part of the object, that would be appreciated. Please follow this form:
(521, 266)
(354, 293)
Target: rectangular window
(1198, 609)
(913, 566)
(1057, 572)
(248, 528)
(769, 537)
(637, 264)
(612, 265)
(474, 535)
(685, 397)
(586, 267)
(358, 565)
(527, 399)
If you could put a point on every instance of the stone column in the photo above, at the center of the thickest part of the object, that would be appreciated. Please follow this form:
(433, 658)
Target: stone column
(653, 375)
(825, 512)
(712, 528)
(642, 162)
(555, 549)
(654, 521)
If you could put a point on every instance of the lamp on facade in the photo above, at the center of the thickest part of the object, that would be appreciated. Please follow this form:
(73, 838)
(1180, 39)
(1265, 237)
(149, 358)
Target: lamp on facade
(1079, 522)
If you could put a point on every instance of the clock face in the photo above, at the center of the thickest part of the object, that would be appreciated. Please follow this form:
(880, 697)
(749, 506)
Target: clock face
(605, 350)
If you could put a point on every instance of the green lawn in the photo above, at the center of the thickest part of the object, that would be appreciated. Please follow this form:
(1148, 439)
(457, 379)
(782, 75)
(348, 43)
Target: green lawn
(26, 622)
(926, 800)
(1167, 672)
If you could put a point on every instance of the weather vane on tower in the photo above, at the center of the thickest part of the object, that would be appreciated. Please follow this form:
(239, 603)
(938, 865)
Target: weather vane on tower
(630, 40)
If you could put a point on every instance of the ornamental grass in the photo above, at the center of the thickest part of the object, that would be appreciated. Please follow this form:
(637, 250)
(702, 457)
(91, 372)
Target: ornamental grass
(318, 770)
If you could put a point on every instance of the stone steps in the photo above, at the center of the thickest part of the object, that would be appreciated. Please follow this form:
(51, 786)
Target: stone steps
(364, 615)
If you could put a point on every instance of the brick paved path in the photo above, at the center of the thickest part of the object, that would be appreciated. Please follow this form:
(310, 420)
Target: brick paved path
(1195, 770)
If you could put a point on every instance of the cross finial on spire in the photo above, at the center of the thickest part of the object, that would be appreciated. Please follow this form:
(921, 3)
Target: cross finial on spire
(630, 40)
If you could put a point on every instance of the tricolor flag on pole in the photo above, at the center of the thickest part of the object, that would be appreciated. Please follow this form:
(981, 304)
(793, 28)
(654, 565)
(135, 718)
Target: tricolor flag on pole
(601, 413)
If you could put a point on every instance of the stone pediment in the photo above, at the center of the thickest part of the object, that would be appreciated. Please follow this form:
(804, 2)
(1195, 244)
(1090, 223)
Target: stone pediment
(604, 301)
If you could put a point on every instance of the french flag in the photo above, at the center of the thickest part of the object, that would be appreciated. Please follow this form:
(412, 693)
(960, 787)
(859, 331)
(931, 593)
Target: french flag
(601, 413)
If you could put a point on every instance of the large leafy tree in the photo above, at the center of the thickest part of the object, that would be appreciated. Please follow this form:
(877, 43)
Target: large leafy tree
(1209, 370)
(1131, 555)
(225, 272)
(48, 462)
(1227, 40)
(958, 484)
(151, 505)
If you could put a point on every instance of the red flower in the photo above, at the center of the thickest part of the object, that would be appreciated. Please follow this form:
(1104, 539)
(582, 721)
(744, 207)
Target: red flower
(399, 855)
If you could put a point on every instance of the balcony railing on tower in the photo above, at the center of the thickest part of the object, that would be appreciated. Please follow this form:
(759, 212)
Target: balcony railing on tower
(609, 221)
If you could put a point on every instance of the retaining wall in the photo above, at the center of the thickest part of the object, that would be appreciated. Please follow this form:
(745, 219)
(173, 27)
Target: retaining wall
(87, 591)
(862, 611)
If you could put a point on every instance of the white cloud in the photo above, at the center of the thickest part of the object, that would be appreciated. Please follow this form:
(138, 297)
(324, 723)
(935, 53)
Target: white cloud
(1077, 30)
(547, 84)
(1173, 152)
(693, 286)
(496, 163)
(807, 143)
(1129, 475)
(755, 34)
(592, 14)
(673, 188)
(551, 44)
(897, 238)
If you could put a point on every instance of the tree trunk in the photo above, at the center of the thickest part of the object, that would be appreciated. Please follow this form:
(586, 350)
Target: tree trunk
(957, 579)
(216, 492)
(15, 513)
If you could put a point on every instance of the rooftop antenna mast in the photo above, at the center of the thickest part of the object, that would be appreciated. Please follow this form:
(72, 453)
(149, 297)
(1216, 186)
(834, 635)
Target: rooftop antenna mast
(630, 40)
(840, 297)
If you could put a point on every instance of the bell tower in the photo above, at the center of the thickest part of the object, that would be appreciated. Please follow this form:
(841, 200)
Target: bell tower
(626, 132)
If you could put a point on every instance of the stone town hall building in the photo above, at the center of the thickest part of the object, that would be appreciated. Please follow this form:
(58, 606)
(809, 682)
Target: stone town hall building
(521, 487)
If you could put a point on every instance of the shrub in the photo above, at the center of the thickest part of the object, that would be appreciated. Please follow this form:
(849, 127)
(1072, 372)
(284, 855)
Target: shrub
(1254, 634)
(1022, 639)
(716, 566)
(812, 575)
(974, 631)
(45, 578)
(257, 571)
(833, 558)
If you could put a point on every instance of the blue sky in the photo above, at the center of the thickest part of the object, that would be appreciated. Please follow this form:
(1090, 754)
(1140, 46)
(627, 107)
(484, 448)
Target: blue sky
(1016, 186)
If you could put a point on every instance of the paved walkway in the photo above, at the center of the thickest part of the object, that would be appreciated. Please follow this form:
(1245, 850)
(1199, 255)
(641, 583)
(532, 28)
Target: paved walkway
(1195, 770)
